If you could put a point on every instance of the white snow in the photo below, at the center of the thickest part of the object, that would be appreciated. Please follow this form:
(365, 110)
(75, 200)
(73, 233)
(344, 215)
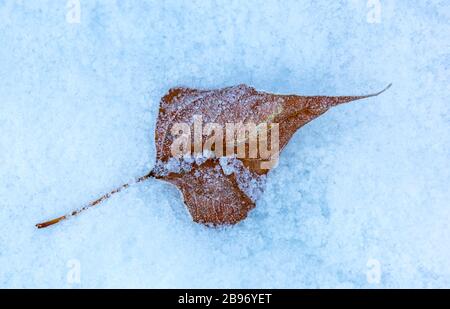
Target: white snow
(360, 197)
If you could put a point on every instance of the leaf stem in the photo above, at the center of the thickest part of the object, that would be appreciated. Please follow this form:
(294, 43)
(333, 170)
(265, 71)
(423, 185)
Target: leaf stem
(94, 203)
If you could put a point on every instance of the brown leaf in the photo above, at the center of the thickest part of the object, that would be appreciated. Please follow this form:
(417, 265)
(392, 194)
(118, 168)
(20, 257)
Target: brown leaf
(222, 189)
(213, 195)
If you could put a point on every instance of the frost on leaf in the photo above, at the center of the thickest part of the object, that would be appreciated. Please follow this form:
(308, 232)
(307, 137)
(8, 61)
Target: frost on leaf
(223, 190)
(219, 187)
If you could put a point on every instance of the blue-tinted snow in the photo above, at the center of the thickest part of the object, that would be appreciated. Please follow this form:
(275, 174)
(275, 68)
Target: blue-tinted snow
(362, 189)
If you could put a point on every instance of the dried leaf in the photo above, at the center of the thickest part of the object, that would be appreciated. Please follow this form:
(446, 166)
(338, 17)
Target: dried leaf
(213, 195)
(221, 190)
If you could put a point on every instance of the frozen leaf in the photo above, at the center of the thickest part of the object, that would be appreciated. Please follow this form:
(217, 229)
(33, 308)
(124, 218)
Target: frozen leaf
(222, 189)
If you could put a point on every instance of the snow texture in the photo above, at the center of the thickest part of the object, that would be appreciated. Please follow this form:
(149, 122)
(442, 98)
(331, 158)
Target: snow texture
(360, 197)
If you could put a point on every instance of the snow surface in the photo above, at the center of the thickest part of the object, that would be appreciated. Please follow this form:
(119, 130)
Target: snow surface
(363, 188)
